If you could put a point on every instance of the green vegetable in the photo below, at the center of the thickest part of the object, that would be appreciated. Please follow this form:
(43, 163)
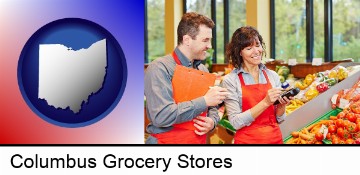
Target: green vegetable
(320, 74)
(282, 78)
(331, 81)
(324, 78)
(277, 68)
(283, 71)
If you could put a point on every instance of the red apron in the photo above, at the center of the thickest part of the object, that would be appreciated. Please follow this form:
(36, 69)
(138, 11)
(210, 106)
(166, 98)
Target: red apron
(182, 133)
(264, 130)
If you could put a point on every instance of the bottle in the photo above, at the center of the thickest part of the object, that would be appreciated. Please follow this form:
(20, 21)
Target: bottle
(285, 85)
(290, 93)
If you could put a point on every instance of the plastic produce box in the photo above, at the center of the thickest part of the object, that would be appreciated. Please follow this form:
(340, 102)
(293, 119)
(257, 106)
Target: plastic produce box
(326, 116)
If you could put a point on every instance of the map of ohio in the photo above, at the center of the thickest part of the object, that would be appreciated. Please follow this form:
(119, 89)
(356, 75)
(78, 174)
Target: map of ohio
(68, 77)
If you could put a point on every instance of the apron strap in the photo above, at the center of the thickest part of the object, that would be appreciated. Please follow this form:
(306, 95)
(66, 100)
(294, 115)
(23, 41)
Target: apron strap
(176, 58)
(242, 82)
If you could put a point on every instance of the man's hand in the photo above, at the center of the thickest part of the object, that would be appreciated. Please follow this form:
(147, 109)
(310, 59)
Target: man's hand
(203, 125)
(215, 95)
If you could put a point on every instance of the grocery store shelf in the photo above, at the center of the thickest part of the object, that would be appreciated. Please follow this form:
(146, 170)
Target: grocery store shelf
(315, 107)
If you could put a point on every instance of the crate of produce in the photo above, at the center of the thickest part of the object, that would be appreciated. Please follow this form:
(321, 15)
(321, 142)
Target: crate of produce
(326, 116)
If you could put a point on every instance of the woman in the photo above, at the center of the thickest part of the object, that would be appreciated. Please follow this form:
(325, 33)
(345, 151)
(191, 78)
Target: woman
(252, 91)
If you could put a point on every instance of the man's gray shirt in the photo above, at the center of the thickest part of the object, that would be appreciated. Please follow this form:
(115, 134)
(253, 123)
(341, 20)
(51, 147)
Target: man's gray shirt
(161, 108)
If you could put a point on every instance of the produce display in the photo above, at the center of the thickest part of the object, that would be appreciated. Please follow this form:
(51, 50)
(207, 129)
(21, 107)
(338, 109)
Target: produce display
(309, 135)
(345, 127)
(294, 104)
(339, 126)
(315, 84)
(342, 128)
(346, 96)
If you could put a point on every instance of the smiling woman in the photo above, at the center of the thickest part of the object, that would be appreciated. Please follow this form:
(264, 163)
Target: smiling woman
(255, 117)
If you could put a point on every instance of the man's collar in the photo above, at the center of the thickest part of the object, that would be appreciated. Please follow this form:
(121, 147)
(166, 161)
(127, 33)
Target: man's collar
(183, 59)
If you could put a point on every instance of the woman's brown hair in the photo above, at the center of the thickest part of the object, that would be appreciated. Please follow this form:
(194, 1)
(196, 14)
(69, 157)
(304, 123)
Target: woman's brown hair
(242, 38)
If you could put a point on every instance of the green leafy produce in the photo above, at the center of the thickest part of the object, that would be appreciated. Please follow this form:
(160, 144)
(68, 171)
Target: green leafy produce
(282, 78)
(283, 71)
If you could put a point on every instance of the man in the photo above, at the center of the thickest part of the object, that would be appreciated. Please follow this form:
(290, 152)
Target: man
(194, 39)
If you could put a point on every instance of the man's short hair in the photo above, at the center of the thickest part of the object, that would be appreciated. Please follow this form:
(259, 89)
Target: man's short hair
(189, 25)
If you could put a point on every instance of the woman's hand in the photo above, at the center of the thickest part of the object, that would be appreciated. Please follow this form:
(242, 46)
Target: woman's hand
(280, 108)
(272, 95)
(284, 101)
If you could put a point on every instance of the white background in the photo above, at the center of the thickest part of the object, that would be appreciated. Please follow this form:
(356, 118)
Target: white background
(245, 160)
